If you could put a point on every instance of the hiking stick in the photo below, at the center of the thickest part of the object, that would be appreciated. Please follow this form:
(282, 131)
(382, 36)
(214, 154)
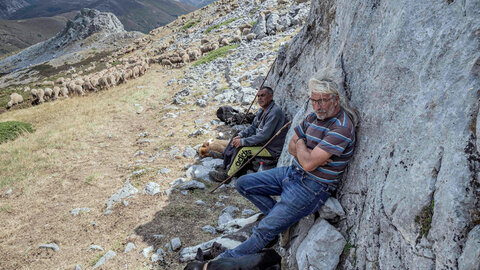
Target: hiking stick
(269, 141)
(245, 116)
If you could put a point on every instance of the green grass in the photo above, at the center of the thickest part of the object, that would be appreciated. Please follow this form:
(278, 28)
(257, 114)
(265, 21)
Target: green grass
(213, 27)
(96, 258)
(11, 130)
(424, 219)
(190, 24)
(6, 208)
(220, 52)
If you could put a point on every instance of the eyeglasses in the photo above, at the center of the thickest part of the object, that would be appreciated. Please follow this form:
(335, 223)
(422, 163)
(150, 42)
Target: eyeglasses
(262, 95)
(321, 101)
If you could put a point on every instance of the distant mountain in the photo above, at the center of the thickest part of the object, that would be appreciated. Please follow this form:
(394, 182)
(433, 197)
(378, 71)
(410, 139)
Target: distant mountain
(198, 3)
(8, 7)
(19, 34)
(89, 29)
(138, 15)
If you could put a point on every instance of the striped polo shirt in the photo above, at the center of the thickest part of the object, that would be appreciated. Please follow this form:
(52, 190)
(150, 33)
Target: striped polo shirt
(335, 135)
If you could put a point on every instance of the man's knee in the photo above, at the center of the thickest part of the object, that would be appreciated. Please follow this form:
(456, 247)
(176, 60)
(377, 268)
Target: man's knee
(241, 183)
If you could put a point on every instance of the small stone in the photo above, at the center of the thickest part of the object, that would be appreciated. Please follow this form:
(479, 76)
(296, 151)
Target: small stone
(197, 133)
(231, 210)
(146, 251)
(130, 246)
(161, 252)
(222, 197)
(164, 171)
(168, 247)
(110, 254)
(170, 191)
(176, 244)
(93, 224)
(9, 192)
(95, 247)
(126, 191)
(125, 203)
(143, 141)
(219, 204)
(143, 134)
(52, 246)
(151, 188)
(192, 184)
(139, 153)
(78, 267)
(189, 152)
(200, 202)
(139, 172)
(209, 229)
(77, 211)
(177, 182)
(158, 236)
(248, 212)
(184, 192)
(156, 258)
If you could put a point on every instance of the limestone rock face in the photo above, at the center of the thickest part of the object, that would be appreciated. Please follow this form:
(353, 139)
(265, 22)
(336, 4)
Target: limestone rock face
(412, 69)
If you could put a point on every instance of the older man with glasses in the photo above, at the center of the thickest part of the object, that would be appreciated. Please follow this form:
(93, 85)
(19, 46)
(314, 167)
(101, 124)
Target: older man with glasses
(322, 147)
(267, 122)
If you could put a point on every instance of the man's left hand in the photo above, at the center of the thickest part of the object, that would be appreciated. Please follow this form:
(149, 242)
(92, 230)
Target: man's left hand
(237, 142)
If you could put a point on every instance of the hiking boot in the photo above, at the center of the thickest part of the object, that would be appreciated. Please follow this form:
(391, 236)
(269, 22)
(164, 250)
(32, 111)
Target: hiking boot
(214, 154)
(218, 175)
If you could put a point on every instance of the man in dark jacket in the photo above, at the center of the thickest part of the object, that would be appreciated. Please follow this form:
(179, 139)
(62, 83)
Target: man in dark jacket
(268, 120)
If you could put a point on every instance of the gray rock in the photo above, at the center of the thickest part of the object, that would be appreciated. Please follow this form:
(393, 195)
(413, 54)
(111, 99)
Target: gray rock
(129, 247)
(272, 23)
(199, 172)
(95, 247)
(146, 251)
(331, 209)
(177, 182)
(151, 188)
(139, 172)
(202, 103)
(9, 191)
(77, 211)
(192, 184)
(321, 248)
(200, 202)
(168, 247)
(284, 22)
(209, 229)
(260, 27)
(224, 218)
(139, 153)
(197, 133)
(125, 192)
(175, 244)
(171, 81)
(109, 255)
(158, 236)
(51, 246)
(219, 204)
(248, 212)
(170, 191)
(78, 267)
(144, 141)
(211, 163)
(156, 258)
(393, 178)
(189, 152)
(143, 134)
(234, 225)
(184, 192)
(470, 258)
(161, 252)
(164, 171)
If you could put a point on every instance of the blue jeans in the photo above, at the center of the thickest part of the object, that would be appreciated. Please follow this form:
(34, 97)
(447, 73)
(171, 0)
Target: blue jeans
(299, 197)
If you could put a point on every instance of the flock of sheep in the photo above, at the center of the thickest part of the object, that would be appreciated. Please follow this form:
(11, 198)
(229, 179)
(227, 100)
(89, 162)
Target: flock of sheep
(78, 85)
(134, 67)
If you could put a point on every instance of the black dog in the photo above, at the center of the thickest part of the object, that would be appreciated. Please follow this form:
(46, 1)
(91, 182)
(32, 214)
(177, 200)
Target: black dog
(267, 259)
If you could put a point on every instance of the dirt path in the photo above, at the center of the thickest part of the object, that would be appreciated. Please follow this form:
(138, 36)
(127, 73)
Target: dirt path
(81, 153)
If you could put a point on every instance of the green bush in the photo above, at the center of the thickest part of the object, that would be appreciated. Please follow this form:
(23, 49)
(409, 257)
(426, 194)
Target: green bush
(11, 130)
(190, 24)
(220, 52)
(213, 27)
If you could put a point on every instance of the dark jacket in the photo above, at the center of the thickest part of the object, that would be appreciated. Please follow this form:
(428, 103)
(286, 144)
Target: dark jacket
(266, 124)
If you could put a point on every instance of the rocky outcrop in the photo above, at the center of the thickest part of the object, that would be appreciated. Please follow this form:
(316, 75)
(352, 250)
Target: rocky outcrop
(413, 71)
(98, 26)
(8, 7)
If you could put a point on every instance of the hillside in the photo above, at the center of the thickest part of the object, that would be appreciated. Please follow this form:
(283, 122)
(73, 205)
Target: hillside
(19, 34)
(56, 182)
(136, 15)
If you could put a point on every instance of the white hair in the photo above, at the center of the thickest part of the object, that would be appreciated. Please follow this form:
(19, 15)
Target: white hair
(330, 81)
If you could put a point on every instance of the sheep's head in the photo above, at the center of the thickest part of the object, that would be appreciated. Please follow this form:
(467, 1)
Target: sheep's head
(9, 104)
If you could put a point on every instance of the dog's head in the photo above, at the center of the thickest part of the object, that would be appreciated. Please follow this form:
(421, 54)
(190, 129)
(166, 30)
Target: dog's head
(198, 263)
(204, 149)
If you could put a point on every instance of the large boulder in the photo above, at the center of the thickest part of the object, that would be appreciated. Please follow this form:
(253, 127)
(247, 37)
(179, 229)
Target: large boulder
(413, 71)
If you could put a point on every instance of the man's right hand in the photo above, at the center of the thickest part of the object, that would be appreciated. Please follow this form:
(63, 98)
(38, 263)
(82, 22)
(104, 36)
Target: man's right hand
(236, 142)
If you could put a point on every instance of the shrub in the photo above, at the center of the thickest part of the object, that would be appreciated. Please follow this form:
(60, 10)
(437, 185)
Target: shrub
(190, 24)
(424, 219)
(11, 130)
(220, 52)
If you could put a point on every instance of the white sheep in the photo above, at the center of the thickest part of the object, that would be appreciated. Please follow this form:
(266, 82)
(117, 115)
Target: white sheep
(64, 92)
(56, 91)
(37, 95)
(251, 36)
(14, 100)
(48, 93)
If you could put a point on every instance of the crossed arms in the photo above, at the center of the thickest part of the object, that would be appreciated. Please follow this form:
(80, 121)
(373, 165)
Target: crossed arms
(310, 159)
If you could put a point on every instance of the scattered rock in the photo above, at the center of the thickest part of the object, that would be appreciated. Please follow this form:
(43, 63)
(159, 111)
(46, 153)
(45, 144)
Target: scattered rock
(146, 251)
(129, 247)
(156, 258)
(127, 191)
(139, 172)
(192, 184)
(200, 202)
(77, 211)
(197, 133)
(95, 247)
(164, 171)
(189, 152)
(331, 209)
(177, 182)
(139, 153)
(168, 247)
(248, 212)
(161, 252)
(51, 246)
(144, 141)
(109, 255)
(151, 188)
(176, 244)
(78, 267)
(9, 192)
(143, 134)
(209, 229)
